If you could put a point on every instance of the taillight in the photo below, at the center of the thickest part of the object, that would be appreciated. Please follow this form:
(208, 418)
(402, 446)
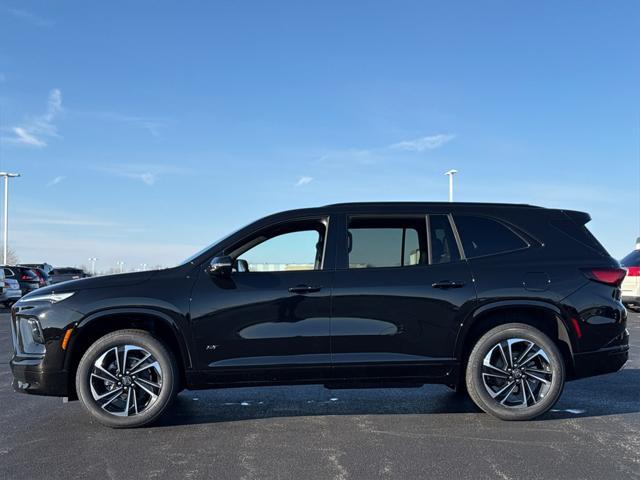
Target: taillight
(633, 271)
(608, 276)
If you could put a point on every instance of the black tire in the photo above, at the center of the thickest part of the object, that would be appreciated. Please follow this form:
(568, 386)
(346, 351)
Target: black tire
(137, 338)
(478, 391)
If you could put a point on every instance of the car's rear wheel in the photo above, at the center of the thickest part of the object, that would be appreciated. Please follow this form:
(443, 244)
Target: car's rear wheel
(127, 379)
(515, 372)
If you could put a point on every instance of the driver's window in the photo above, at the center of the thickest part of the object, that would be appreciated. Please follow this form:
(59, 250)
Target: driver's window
(300, 250)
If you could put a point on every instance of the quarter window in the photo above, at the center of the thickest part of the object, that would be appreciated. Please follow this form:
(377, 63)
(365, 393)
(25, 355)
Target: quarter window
(485, 236)
(386, 242)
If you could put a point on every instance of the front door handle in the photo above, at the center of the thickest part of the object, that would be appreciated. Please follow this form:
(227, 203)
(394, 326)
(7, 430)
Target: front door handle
(305, 289)
(447, 284)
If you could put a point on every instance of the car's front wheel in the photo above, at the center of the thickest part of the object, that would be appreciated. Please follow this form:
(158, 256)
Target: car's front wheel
(127, 379)
(515, 372)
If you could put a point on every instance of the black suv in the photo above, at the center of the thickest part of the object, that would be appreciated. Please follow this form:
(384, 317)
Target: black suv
(506, 302)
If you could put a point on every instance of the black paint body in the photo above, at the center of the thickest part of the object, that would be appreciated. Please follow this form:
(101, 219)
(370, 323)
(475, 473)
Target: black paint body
(362, 327)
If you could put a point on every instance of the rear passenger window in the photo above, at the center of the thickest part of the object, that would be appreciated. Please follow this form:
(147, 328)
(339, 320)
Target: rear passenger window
(484, 236)
(386, 242)
(442, 241)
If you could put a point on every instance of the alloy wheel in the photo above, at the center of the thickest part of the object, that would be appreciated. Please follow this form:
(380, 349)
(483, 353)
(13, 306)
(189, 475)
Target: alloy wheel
(517, 373)
(125, 380)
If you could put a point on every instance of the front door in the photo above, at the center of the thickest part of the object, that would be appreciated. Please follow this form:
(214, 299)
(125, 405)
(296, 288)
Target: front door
(399, 294)
(270, 319)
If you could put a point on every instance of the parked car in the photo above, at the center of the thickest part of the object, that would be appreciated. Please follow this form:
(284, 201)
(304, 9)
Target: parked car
(42, 266)
(58, 275)
(631, 283)
(43, 277)
(11, 292)
(26, 277)
(505, 301)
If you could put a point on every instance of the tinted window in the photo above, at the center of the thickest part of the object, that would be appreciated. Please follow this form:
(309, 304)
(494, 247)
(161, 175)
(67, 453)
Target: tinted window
(484, 236)
(631, 260)
(301, 250)
(8, 272)
(393, 242)
(443, 243)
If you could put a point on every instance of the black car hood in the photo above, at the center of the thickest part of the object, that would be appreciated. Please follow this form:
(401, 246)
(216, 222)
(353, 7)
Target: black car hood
(119, 280)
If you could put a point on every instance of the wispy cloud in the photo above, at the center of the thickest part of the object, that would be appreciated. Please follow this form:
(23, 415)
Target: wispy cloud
(368, 156)
(421, 144)
(35, 130)
(153, 125)
(56, 180)
(29, 17)
(303, 181)
(147, 173)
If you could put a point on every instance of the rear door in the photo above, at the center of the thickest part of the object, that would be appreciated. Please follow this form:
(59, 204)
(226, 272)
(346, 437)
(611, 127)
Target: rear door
(399, 295)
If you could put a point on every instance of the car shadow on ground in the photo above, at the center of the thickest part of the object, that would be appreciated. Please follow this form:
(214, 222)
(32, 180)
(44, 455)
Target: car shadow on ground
(582, 398)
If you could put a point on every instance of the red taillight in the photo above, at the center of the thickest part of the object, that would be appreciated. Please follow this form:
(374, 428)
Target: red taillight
(633, 271)
(25, 278)
(608, 276)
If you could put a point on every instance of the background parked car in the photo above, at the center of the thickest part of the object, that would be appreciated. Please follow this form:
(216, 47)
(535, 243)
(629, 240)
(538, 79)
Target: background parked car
(42, 275)
(631, 284)
(58, 275)
(11, 291)
(42, 266)
(27, 278)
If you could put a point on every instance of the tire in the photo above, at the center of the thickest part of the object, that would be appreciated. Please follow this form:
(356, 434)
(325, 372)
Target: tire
(110, 384)
(527, 396)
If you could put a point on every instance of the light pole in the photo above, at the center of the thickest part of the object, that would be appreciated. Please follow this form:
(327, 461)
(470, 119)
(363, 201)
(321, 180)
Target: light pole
(120, 264)
(451, 173)
(6, 211)
(143, 266)
(93, 261)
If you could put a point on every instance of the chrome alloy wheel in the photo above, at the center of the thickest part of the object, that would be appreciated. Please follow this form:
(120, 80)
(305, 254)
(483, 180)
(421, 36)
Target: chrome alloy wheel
(517, 373)
(125, 380)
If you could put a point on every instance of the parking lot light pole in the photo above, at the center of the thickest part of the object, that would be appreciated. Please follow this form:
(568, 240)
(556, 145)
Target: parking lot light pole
(6, 212)
(93, 261)
(451, 173)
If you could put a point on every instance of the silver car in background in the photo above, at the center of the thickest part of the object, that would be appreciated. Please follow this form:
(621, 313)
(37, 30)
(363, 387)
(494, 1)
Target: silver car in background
(11, 292)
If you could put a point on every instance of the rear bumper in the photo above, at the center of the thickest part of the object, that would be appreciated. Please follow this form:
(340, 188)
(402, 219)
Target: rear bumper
(29, 377)
(599, 362)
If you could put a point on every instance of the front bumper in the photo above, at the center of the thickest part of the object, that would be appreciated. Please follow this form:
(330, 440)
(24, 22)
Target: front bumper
(605, 360)
(30, 377)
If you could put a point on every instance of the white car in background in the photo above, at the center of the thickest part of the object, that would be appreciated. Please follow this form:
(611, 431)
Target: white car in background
(631, 284)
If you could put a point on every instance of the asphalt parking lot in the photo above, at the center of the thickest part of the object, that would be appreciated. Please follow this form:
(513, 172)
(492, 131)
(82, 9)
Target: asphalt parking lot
(310, 432)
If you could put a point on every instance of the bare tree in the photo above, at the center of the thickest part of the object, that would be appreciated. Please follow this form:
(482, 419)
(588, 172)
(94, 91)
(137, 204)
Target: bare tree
(12, 257)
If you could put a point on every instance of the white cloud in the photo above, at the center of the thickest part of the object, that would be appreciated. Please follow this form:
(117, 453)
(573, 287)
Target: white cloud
(421, 144)
(35, 130)
(56, 180)
(147, 173)
(150, 124)
(303, 181)
(30, 17)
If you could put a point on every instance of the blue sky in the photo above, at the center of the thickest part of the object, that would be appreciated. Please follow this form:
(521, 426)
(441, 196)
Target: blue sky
(145, 130)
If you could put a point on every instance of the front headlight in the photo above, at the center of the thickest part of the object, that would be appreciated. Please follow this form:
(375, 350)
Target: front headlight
(31, 336)
(48, 297)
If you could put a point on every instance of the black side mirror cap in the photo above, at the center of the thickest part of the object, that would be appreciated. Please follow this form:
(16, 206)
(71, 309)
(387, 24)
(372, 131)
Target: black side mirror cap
(220, 266)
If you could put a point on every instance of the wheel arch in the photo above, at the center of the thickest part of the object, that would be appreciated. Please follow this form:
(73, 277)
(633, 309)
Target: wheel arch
(542, 315)
(98, 324)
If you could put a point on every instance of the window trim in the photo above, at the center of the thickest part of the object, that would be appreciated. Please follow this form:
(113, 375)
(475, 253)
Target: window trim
(508, 226)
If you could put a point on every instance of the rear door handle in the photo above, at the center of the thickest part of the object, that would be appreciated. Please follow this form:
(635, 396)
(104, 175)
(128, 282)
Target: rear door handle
(305, 289)
(447, 284)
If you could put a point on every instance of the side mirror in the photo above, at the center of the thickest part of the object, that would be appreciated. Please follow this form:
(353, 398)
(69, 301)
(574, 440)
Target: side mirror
(220, 266)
